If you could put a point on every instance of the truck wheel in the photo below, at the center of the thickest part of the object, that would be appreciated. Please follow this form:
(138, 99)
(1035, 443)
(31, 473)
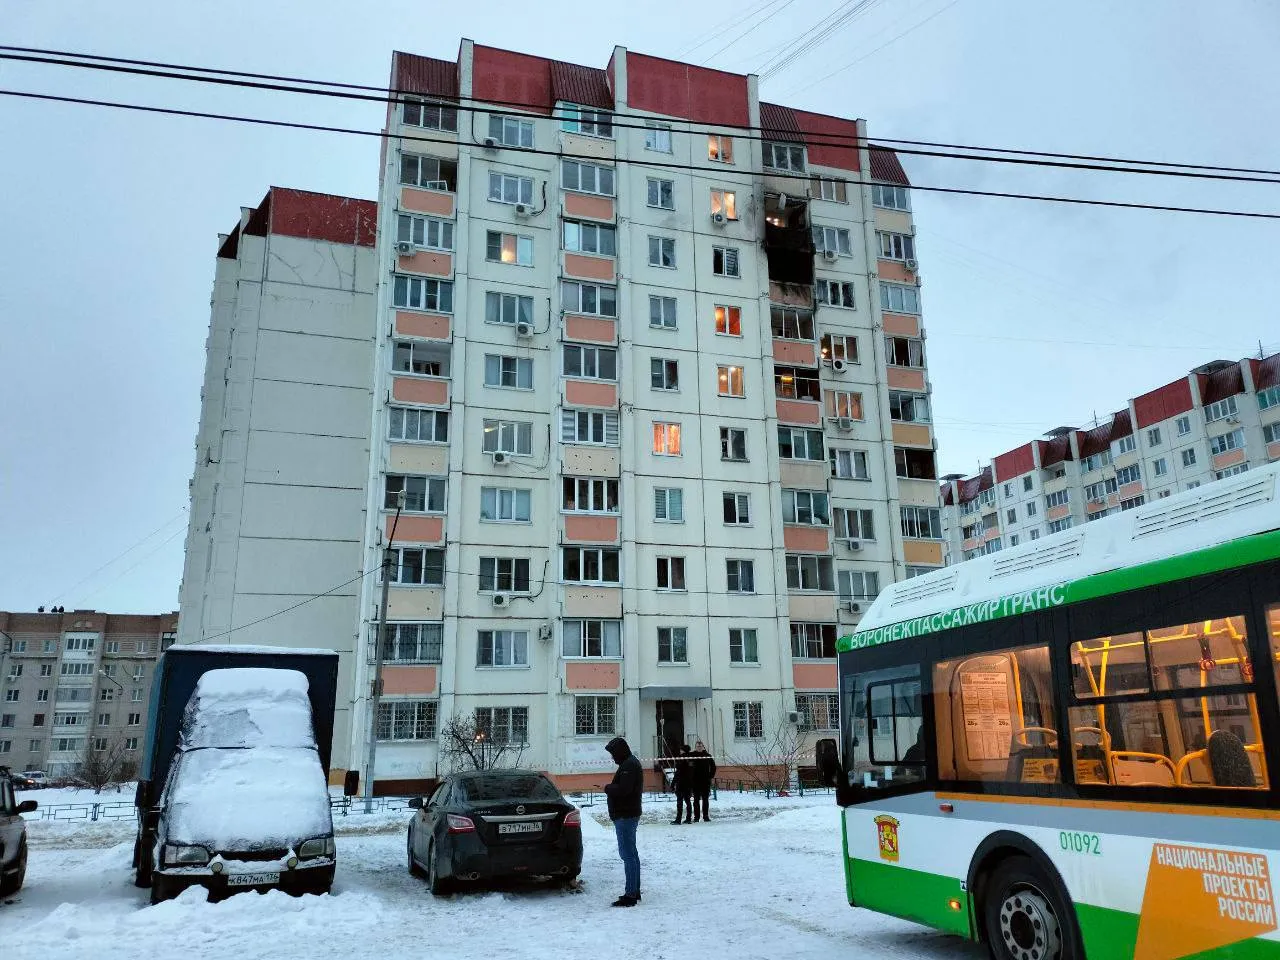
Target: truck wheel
(1025, 917)
(162, 890)
(142, 875)
(13, 882)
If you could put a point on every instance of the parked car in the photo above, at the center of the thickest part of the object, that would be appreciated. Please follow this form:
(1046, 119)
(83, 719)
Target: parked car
(494, 824)
(36, 779)
(246, 802)
(20, 781)
(13, 837)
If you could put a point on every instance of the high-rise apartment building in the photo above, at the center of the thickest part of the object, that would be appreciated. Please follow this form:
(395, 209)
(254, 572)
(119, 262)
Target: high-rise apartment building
(1217, 421)
(75, 682)
(650, 376)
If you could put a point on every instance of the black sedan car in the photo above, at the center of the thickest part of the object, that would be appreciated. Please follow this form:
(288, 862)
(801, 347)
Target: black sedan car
(494, 824)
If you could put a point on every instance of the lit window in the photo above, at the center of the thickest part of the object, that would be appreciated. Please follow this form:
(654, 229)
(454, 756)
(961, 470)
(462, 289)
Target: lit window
(724, 203)
(728, 320)
(729, 381)
(720, 148)
(666, 439)
(508, 248)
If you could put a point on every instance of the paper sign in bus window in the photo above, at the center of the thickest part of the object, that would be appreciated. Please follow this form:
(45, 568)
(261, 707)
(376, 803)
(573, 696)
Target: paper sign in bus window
(988, 722)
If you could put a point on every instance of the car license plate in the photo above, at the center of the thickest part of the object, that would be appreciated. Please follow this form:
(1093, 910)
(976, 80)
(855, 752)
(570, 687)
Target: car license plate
(251, 879)
(519, 828)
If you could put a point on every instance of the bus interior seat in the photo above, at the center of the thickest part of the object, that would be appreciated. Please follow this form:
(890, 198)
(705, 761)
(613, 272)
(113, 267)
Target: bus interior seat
(1133, 769)
(1229, 762)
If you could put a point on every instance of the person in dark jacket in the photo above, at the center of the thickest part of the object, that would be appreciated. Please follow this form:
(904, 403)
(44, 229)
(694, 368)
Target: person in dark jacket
(702, 771)
(682, 783)
(623, 796)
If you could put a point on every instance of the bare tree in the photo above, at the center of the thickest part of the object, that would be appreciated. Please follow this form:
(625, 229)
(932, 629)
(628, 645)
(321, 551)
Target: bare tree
(103, 768)
(467, 744)
(772, 762)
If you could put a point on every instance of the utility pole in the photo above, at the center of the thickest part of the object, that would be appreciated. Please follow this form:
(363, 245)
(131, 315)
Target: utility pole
(375, 693)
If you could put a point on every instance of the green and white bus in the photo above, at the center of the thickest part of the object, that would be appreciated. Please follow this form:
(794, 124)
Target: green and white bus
(1064, 749)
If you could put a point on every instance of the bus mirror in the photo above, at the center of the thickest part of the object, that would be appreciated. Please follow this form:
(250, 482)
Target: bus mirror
(827, 760)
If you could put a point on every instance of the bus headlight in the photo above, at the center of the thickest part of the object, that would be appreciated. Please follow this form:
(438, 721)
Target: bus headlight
(317, 847)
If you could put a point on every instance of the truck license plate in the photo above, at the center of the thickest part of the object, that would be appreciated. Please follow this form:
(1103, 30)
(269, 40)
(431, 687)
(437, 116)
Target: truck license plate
(252, 879)
(519, 828)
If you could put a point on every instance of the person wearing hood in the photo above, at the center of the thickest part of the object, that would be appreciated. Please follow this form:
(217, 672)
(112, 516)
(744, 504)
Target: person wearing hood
(702, 774)
(623, 796)
(682, 783)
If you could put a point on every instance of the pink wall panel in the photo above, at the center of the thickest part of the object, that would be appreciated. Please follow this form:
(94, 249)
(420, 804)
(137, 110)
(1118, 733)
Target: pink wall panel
(590, 268)
(807, 539)
(406, 680)
(901, 325)
(431, 325)
(582, 529)
(594, 329)
(793, 351)
(415, 529)
(814, 676)
(903, 378)
(799, 411)
(592, 676)
(593, 208)
(427, 201)
(421, 390)
(428, 262)
(590, 393)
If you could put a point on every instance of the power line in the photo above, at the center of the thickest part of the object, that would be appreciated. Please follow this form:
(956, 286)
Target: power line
(749, 30)
(816, 36)
(300, 603)
(117, 557)
(723, 27)
(139, 562)
(705, 171)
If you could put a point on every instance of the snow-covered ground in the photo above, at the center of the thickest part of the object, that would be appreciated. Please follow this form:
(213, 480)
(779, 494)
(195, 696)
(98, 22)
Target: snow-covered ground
(762, 879)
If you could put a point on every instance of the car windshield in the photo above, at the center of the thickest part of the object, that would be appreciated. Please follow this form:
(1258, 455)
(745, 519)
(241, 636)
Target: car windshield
(529, 787)
(243, 707)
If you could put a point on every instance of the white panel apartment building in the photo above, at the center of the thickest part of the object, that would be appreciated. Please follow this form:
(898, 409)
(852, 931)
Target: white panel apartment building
(1219, 420)
(648, 480)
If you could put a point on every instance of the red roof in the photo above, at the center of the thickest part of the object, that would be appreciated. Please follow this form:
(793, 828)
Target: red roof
(886, 168)
(1266, 372)
(1226, 382)
(425, 75)
(588, 86)
(971, 487)
(310, 216)
(1055, 450)
(779, 123)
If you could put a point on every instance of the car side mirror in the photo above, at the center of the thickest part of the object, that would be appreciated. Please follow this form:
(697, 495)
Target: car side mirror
(415, 803)
(351, 783)
(27, 806)
(827, 760)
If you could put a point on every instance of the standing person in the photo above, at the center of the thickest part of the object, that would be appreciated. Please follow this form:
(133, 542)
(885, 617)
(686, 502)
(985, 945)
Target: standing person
(623, 796)
(682, 782)
(703, 766)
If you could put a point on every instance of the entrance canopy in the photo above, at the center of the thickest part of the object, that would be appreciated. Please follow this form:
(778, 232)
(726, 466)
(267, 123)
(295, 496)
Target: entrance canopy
(675, 693)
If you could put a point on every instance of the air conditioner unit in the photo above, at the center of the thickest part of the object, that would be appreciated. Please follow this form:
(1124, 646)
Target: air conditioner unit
(839, 365)
(853, 544)
(523, 210)
(524, 329)
(500, 599)
(404, 248)
(844, 423)
(499, 458)
(490, 143)
(852, 606)
(830, 256)
(793, 716)
(719, 219)
(912, 265)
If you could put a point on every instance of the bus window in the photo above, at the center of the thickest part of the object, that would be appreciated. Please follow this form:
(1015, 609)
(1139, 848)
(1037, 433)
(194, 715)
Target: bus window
(884, 744)
(1273, 622)
(995, 717)
(1212, 739)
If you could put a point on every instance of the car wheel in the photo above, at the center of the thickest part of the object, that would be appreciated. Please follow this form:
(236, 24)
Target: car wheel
(1025, 917)
(414, 869)
(13, 882)
(439, 886)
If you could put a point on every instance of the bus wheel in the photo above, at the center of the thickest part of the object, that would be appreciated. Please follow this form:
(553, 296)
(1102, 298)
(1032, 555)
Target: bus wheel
(1025, 918)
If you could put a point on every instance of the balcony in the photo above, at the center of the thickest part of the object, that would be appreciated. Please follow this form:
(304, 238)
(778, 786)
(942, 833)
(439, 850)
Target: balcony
(788, 245)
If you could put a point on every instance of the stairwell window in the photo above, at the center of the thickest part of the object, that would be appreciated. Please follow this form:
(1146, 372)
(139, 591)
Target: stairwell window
(897, 298)
(743, 646)
(783, 156)
(429, 115)
(421, 293)
(587, 178)
(724, 261)
(671, 573)
(508, 436)
(600, 639)
(591, 299)
(589, 427)
(598, 238)
(507, 308)
(673, 645)
(597, 565)
(502, 648)
(509, 188)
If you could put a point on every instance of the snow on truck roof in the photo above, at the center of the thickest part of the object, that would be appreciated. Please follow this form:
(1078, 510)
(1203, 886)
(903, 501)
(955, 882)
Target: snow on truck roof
(249, 707)
(1072, 565)
(259, 649)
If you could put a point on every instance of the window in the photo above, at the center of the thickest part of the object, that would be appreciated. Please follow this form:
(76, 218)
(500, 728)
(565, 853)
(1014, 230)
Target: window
(857, 584)
(137, 695)
(1057, 526)
(896, 246)
(586, 177)
(849, 464)
(138, 672)
(743, 647)
(15, 671)
(67, 744)
(846, 404)
(788, 323)
(661, 193)
(673, 645)
(1153, 437)
(1184, 426)
(899, 299)
(590, 363)
(508, 248)
(510, 131)
(598, 428)
(1013, 540)
(737, 509)
(503, 724)
(805, 507)
(1227, 441)
(592, 638)
(1100, 490)
(595, 716)
(431, 173)
(662, 312)
(740, 576)
(428, 232)
(733, 443)
(1220, 409)
(11, 696)
(512, 372)
(662, 252)
(590, 565)
(796, 443)
(590, 495)
(1239, 468)
(590, 121)
(421, 494)
(1189, 457)
(428, 114)
(1132, 502)
(922, 523)
(724, 203)
(417, 566)
(1271, 433)
(729, 381)
(134, 719)
(840, 346)
(107, 694)
(413, 356)
(783, 156)
(728, 320)
(502, 648)
(824, 189)
(813, 641)
(507, 308)
(46, 669)
(724, 261)
(720, 148)
(76, 669)
(19, 646)
(7, 719)
(854, 523)
(593, 299)
(890, 196)
(597, 238)
(657, 136)
(420, 293)
(834, 293)
(908, 407)
(748, 720)
(42, 696)
(668, 504)
(1126, 445)
(504, 574)
(508, 436)
(83, 644)
(807, 572)
(509, 188)
(1035, 534)
(671, 573)
(1095, 461)
(904, 351)
(407, 719)
(1012, 515)
(33, 746)
(1058, 498)
(832, 240)
(413, 643)
(1027, 483)
(1131, 474)
(666, 439)
(1269, 397)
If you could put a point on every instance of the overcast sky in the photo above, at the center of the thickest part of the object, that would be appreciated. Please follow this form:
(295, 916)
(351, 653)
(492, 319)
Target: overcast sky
(1037, 314)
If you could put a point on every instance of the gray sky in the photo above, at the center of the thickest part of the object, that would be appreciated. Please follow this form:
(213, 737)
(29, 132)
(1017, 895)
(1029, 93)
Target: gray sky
(1037, 314)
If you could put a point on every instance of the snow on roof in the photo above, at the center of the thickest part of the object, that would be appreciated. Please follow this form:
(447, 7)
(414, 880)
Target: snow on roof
(1213, 514)
(249, 707)
(260, 649)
